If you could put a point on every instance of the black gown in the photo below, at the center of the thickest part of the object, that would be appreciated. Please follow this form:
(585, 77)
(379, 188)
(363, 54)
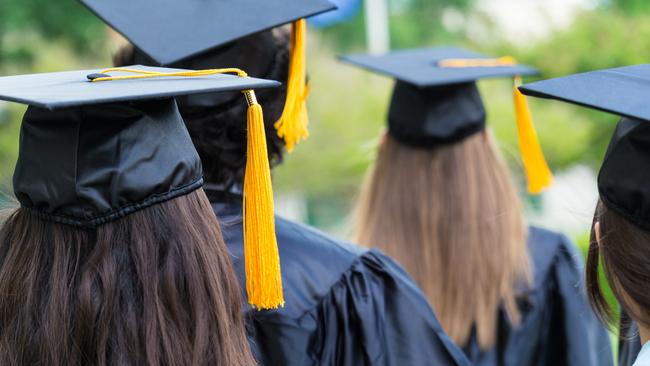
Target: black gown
(558, 326)
(344, 305)
(629, 346)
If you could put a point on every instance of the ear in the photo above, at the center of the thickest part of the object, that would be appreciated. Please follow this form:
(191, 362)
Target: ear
(597, 231)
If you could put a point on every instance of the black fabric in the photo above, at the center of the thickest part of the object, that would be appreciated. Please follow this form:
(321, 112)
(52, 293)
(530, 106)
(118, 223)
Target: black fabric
(558, 326)
(56, 90)
(254, 54)
(432, 104)
(169, 31)
(420, 66)
(344, 305)
(425, 117)
(625, 172)
(88, 165)
(622, 90)
(629, 345)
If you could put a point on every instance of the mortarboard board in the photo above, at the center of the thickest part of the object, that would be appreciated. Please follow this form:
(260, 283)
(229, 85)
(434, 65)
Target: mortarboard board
(72, 88)
(96, 146)
(169, 31)
(257, 54)
(436, 101)
(421, 67)
(624, 177)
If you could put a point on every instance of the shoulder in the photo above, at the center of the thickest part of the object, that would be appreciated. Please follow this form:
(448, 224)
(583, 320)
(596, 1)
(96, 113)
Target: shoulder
(551, 243)
(557, 314)
(318, 267)
(307, 241)
(312, 262)
(548, 250)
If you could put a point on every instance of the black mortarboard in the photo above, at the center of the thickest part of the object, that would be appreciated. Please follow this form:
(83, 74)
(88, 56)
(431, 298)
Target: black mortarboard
(436, 101)
(91, 152)
(422, 67)
(431, 103)
(624, 178)
(72, 88)
(622, 90)
(198, 32)
(98, 145)
(256, 54)
(169, 31)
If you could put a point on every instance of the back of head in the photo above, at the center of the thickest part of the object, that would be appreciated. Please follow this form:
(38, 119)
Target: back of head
(217, 122)
(155, 287)
(451, 216)
(115, 256)
(622, 218)
(621, 226)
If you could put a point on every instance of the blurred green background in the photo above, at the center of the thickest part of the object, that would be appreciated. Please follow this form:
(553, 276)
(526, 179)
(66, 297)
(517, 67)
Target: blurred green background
(348, 106)
(319, 181)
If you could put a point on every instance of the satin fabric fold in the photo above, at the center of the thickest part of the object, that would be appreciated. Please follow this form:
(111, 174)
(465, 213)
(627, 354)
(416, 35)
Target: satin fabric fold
(85, 166)
(345, 305)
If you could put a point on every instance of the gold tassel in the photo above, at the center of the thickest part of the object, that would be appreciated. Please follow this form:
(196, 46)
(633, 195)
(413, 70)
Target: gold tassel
(538, 174)
(293, 124)
(263, 278)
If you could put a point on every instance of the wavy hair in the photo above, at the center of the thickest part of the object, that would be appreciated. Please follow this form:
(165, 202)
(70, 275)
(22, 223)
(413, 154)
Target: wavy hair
(153, 288)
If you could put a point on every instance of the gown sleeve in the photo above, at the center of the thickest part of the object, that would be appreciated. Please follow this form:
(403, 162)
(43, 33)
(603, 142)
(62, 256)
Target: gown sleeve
(587, 340)
(375, 315)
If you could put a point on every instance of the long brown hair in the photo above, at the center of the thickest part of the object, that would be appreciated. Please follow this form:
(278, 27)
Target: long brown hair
(451, 216)
(153, 288)
(625, 253)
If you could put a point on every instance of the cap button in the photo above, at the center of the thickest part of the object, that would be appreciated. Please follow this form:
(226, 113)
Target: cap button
(92, 77)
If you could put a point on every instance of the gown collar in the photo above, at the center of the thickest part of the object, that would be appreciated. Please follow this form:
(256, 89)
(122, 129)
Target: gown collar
(643, 358)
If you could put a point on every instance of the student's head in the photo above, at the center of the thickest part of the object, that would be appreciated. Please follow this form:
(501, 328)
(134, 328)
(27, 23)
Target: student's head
(115, 255)
(623, 250)
(451, 216)
(620, 233)
(217, 122)
(440, 198)
(262, 38)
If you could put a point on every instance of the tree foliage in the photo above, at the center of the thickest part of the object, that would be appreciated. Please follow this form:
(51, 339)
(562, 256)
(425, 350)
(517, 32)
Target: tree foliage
(630, 6)
(597, 39)
(412, 23)
(23, 21)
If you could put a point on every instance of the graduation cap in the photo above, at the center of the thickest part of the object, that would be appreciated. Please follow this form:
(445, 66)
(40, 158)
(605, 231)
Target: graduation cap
(435, 100)
(624, 177)
(169, 31)
(96, 146)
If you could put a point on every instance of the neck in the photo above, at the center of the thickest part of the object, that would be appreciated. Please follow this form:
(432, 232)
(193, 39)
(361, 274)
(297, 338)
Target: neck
(644, 333)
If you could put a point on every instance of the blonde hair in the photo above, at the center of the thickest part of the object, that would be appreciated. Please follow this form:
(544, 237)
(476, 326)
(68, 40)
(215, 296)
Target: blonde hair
(452, 217)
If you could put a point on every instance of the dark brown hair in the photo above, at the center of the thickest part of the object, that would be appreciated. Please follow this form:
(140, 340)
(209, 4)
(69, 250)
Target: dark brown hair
(153, 288)
(219, 132)
(451, 216)
(624, 250)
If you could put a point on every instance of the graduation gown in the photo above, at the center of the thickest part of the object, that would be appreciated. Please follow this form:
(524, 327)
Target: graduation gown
(630, 346)
(558, 326)
(344, 305)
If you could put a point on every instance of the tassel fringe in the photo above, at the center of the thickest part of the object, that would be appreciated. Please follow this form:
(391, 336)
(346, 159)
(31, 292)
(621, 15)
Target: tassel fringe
(263, 279)
(538, 174)
(293, 124)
